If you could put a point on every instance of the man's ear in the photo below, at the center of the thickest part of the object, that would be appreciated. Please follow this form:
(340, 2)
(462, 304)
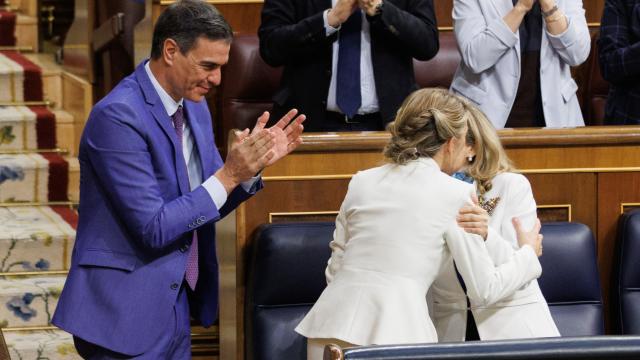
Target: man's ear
(169, 50)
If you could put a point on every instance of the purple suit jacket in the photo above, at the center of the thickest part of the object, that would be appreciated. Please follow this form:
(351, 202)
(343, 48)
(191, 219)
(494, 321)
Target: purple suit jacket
(136, 221)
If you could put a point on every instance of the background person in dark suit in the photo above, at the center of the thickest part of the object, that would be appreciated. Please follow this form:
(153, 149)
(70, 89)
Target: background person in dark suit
(152, 187)
(347, 63)
(619, 50)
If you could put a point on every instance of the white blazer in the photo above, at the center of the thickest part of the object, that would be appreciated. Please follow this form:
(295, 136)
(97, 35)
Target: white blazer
(525, 313)
(395, 231)
(489, 72)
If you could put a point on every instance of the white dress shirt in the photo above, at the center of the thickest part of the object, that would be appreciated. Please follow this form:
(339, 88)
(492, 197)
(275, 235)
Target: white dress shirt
(213, 186)
(367, 81)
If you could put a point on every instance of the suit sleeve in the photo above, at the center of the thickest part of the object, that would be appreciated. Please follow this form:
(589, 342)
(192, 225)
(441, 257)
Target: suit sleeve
(486, 283)
(519, 202)
(573, 44)
(415, 28)
(340, 235)
(618, 52)
(482, 42)
(118, 153)
(283, 37)
(337, 246)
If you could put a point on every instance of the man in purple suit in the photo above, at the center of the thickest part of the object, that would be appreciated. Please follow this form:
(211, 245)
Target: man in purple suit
(152, 187)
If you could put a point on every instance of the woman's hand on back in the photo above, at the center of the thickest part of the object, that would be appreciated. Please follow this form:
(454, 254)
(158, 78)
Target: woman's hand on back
(532, 238)
(474, 219)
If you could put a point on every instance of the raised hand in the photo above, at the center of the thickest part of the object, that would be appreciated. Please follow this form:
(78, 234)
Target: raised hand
(474, 219)
(525, 4)
(369, 6)
(286, 133)
(532, 238)
(248, 153)
(341, 12)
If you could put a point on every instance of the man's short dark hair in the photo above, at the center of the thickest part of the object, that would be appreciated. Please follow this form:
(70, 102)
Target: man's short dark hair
(184, 22)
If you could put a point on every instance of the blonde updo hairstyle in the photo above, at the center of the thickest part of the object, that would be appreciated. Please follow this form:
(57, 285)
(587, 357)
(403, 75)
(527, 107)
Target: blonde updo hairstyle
(425, 121)
(490, 159)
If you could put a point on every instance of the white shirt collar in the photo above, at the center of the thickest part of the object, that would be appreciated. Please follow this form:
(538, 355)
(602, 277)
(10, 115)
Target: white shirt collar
(170, 105)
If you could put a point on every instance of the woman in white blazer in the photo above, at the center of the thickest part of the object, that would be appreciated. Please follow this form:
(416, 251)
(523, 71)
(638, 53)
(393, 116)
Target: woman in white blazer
(516, 59)
(503, 195)
(397, 228)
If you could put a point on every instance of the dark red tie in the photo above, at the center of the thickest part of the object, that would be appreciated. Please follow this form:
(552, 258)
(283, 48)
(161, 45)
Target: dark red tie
(191, 274)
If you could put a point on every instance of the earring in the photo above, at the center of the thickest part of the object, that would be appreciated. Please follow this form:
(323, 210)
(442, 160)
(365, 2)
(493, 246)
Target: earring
(470, 159)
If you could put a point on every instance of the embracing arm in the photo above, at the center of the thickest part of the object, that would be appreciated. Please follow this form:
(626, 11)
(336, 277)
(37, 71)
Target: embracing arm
(487, 283)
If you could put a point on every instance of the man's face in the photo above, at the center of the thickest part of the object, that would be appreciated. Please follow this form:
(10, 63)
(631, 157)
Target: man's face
(197, 71)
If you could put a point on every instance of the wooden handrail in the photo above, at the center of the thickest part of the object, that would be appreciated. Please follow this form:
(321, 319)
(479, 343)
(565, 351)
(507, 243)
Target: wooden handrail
(511, 138)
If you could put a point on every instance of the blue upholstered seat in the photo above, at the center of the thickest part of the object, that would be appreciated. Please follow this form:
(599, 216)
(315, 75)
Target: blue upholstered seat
(625, 285)
(286, 276)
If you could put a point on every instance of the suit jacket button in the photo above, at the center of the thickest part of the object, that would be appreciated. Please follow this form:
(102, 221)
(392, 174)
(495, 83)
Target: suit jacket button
(174, 286)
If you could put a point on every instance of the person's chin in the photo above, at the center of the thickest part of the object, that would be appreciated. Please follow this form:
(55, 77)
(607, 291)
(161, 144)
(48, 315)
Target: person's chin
(195, 97)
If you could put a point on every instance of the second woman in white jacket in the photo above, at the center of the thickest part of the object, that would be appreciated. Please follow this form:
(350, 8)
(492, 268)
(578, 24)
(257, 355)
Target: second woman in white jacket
(396, 229)
(504, 195)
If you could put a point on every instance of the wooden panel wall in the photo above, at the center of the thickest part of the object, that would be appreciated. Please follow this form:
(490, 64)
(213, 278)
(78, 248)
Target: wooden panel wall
(244, 16)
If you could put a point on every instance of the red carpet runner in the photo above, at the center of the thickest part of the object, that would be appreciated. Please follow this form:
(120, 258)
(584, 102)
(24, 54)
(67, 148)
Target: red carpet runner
(7, 28)
(45, 126)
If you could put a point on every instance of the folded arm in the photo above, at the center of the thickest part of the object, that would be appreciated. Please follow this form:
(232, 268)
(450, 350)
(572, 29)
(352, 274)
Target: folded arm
(487, 283)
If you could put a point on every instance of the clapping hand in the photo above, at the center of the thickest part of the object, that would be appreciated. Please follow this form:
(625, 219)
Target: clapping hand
(369, 6)
(248, 153)
(341, 12)
(286, 133)
(525, 4)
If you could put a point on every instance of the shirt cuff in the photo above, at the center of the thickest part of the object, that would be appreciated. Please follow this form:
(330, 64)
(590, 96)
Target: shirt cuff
(328, 29)
(216, 191)
(248, 185)
(565, 39)
(503, 32)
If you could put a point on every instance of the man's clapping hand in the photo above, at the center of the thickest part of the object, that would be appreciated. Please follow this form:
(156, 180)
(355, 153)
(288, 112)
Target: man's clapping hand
(251, 151)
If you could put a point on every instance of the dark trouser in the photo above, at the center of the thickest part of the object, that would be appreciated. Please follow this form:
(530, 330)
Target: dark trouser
(472, 329)
(174, 344)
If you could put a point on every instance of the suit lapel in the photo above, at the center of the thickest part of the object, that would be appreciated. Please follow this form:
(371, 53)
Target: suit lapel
(164, 122)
